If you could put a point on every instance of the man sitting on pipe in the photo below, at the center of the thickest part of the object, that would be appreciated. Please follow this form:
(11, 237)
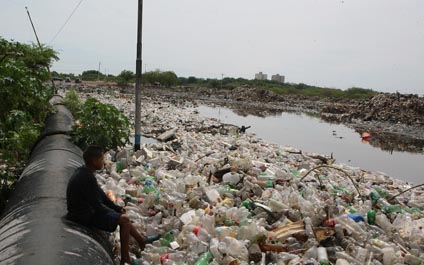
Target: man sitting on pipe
(89, 205)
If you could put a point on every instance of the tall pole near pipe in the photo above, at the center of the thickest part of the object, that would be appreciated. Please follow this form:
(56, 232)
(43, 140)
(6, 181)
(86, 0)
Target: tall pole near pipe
(39, 45)
(137, 140)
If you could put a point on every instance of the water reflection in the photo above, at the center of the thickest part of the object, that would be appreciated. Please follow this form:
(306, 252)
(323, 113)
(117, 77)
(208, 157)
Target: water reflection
(311, 134)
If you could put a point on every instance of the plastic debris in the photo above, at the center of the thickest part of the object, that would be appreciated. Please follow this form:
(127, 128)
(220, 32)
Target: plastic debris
(221, 197)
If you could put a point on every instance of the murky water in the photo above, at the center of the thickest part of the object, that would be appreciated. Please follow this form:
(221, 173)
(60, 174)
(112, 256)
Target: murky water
(311, 134)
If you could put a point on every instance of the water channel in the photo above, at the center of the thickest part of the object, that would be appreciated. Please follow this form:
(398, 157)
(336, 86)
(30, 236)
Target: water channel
(311, 134)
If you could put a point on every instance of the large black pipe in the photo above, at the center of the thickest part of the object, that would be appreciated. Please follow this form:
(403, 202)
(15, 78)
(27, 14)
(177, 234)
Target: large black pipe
(33, 229)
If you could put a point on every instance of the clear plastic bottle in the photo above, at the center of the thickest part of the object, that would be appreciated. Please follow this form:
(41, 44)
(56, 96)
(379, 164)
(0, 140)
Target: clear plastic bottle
(213, 247)
(236, 248)
(413, 260)
(388, 255)
(308, 227)
(383, 222)
(200, 232)
(171, 258)
(357, 232)
(322, 256)
(342, 262)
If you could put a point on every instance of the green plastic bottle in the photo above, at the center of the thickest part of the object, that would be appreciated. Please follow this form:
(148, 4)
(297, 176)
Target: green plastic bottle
(295, 172)
(371, 217)
(374, 196)
(381, 192)
(393, 209)
(269, 184)
(148, 187)
(119, 166)
(345, 191)
(167, 239)
(204, 259)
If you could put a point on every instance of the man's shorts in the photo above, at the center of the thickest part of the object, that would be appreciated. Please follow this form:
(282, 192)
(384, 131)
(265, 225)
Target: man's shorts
(106, 221)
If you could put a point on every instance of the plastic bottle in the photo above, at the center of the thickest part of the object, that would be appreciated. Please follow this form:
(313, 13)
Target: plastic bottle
(383, 222)
(200, 232)
(111, 195)
(322, 256)
(371, 217)
(413, 260)
(151, 239)
(148, 187)
(342, 262)
(171, 258)
(236, 248)
(308, 227)
(388, 255)
(167, 238)
(311, 253)
(213, 247)
(357, 232)
(231, 177)
(204, 259)
(131, 198)
(393, 208)
(379, 243)
(224, 231)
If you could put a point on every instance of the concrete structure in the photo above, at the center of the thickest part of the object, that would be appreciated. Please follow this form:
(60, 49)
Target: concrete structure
(278, 78)
(261, 76)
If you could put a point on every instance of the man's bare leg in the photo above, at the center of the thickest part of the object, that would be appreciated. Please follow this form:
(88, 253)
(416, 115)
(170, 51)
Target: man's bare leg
(125, 228)
(141, 240)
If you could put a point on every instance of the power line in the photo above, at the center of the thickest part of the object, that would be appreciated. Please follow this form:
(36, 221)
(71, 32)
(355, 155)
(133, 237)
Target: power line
(66, 22)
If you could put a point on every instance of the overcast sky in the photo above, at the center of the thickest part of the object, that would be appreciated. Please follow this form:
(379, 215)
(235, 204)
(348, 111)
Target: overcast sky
(376, 44)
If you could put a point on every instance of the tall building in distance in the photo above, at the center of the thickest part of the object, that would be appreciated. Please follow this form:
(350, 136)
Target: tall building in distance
(261, 76)
(278, 78)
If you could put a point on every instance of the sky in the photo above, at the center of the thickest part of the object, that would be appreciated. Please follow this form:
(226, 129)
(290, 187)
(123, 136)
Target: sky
(377, 44)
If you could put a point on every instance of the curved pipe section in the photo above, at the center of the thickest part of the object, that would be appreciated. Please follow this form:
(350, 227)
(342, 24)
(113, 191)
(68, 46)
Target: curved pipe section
(33, 229)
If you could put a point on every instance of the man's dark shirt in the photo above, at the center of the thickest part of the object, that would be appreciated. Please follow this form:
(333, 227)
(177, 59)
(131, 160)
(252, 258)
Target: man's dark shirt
(85, 198)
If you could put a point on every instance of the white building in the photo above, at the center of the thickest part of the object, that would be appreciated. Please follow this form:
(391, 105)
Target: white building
(278, 78)
(261, 76)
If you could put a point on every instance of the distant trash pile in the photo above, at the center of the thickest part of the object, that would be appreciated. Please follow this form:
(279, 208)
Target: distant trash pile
(406, 109)
(230, 198)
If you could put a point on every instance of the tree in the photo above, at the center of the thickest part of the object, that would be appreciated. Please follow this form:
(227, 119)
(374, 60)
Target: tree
(24, 104)
(92, 75)
(125, 77)
(192, 80)
(168, 78)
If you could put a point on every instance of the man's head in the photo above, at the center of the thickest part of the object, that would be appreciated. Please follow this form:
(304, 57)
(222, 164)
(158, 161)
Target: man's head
(94, 157)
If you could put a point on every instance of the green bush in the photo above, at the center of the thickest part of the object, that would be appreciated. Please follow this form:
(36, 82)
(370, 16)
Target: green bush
(19, 134)
(72, 101)
(100, 124)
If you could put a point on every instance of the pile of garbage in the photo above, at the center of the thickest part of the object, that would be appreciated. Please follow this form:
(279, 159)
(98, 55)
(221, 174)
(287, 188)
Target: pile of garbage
(230, 198)
(389, 107)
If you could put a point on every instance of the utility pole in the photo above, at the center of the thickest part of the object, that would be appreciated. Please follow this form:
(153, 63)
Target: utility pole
(39, 45)
(98, 72)
(138, 64)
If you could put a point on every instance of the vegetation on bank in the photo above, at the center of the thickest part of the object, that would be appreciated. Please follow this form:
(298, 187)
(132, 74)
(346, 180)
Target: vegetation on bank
(97, 123)
(170, 79)
(24, 105)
